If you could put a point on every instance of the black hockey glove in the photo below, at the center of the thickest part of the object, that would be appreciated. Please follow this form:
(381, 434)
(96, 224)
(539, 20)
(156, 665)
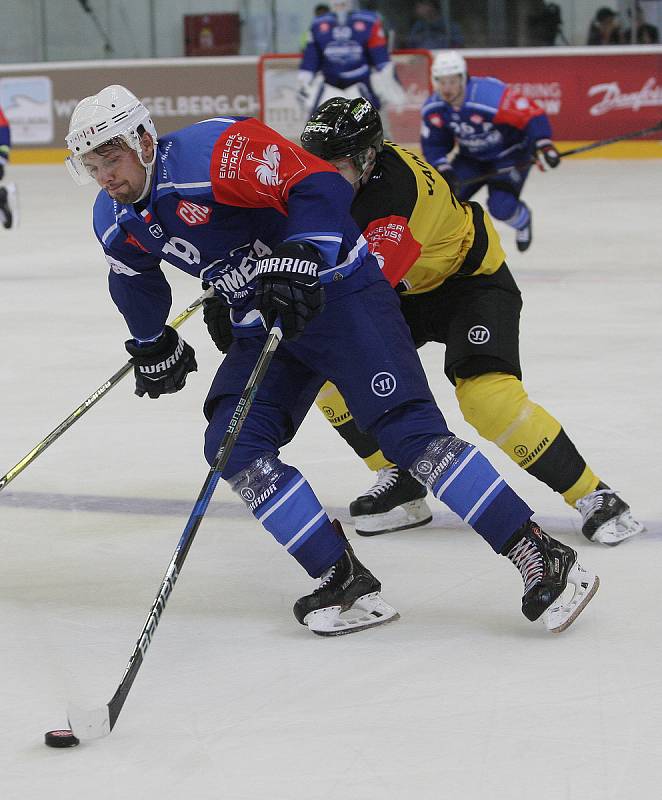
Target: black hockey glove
(161, 367)
(2, 170)
(547, 156)
(216, 313)
(450, 176)
(288, 286)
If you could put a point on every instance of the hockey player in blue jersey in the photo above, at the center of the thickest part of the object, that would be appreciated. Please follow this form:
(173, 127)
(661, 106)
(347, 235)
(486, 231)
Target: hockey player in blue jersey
(494, 128)
(233, 203)
(350, 50)
(6, 211)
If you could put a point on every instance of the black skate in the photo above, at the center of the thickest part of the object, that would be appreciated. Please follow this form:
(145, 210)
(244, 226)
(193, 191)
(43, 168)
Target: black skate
(346, 600)
(395, 503)
(606, 518)
(6, 216)
(524, 236)
(547, 566)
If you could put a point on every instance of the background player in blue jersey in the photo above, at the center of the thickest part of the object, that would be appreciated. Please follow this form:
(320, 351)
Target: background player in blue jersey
(267, 224)
(350, 50)
(6, 212)
(494, 128)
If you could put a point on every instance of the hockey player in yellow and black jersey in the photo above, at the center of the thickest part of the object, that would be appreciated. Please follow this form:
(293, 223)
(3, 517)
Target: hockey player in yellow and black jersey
(445, 259)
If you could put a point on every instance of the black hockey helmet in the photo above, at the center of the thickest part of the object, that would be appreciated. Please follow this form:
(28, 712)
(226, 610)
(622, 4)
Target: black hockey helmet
(342, 128)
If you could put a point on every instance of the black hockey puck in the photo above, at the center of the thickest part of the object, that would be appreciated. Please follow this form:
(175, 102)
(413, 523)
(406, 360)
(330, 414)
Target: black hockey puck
(63, 738)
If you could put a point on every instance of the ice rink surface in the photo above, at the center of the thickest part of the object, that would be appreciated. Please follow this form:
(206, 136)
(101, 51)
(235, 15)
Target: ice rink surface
(462, 698)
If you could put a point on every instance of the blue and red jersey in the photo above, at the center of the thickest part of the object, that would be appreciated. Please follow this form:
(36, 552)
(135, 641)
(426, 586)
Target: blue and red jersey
(493, 122)
(345, 52)
(5, 139)
(224, 193)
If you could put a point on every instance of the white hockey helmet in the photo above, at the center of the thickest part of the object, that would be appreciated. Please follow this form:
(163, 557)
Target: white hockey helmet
(113, 113)
(449, 62)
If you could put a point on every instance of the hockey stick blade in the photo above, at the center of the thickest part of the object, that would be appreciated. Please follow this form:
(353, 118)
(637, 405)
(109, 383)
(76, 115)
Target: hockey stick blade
(89, 724)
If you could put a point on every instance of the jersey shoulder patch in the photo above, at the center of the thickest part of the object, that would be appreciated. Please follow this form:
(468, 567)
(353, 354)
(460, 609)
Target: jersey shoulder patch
(485, 92)
(253, 166)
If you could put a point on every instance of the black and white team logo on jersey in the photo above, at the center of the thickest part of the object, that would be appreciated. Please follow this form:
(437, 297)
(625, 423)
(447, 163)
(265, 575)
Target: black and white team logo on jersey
(383, 384)
(156, 231)
(479, 334)
(247, 494)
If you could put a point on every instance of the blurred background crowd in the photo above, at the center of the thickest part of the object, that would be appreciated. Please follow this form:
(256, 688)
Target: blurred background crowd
(57, 30)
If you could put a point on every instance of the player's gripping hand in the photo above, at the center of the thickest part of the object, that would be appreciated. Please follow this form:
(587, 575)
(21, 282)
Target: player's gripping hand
(161, 367)
(216, 313)
(450, 176)
(2, 170)
(288, 287)
(547, 156)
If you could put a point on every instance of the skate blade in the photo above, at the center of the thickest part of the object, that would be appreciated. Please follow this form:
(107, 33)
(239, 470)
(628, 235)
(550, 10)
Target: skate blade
(617, 530)
(368, 611)
(400, 518)
(562, 613)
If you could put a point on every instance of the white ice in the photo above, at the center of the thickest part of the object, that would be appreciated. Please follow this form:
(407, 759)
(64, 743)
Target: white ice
(462, 698)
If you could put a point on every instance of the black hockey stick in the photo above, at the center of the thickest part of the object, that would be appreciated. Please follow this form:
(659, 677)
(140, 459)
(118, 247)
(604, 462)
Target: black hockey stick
(582, 149)
(94, 724)
(86, 405)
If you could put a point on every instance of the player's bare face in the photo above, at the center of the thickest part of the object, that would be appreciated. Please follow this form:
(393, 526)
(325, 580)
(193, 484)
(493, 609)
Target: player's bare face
(451, 89)
(118, 171)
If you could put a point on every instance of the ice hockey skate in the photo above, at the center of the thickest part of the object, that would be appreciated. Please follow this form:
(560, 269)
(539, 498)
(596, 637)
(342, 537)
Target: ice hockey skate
(547, 567)
(606, 518)
(524, 236)
(347, 599)
(396, 502)
(7, 206)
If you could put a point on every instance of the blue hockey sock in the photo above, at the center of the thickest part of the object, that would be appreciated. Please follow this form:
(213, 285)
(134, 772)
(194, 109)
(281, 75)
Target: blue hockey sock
(459, 475)
(281, 499)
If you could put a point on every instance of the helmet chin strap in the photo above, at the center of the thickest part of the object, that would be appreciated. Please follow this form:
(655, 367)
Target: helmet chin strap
(149, 169)
(363, 164)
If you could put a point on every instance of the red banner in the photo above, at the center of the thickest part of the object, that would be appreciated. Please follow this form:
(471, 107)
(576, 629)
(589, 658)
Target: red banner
(585, 96)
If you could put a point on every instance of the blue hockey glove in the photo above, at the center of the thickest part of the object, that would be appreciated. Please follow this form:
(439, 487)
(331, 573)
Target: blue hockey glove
(161, 367)
(288, 286)
(547, 156)
(216, 313)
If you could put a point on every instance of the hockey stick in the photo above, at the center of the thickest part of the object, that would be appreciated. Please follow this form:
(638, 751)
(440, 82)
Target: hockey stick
(99, 722)
(94, 398)
(583, 149)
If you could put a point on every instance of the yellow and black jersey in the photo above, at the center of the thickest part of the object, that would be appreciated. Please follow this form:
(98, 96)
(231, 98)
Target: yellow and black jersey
(419, 231)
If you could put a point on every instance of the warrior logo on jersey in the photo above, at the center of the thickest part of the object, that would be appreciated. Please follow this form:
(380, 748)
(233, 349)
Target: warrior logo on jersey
(436, 120)
(267, 169)
(192, 213)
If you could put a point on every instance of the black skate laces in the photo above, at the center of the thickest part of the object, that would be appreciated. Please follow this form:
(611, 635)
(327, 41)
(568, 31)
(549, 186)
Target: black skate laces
(387, 477)
(526, 556)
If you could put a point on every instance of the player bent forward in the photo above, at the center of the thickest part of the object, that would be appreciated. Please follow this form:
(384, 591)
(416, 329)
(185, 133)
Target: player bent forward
(449, 268)
(267, 224)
